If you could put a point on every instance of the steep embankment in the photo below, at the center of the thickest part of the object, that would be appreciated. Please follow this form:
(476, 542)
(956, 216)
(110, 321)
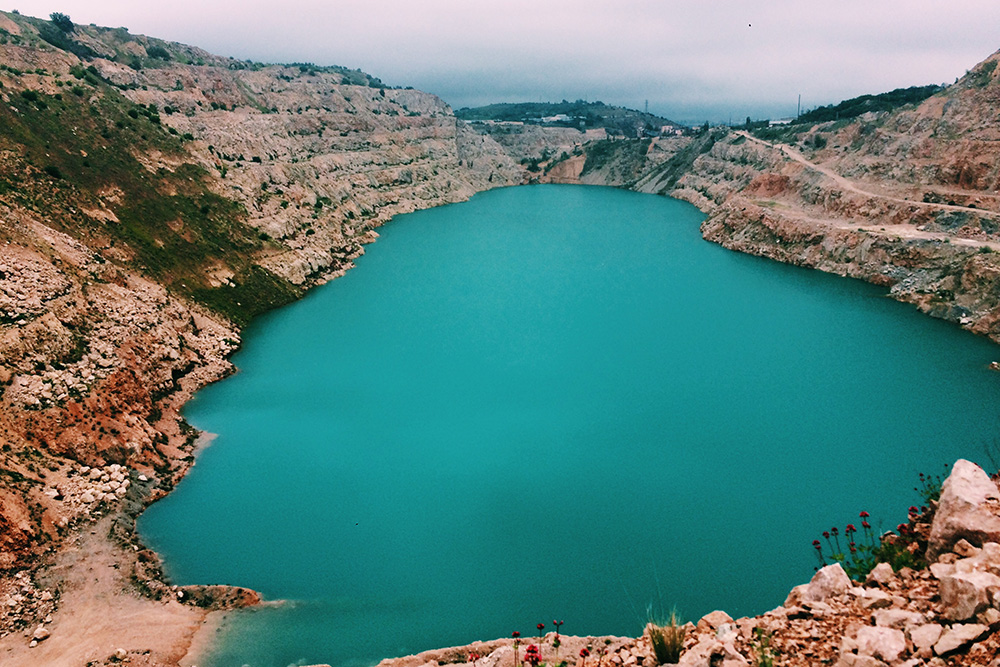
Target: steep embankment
(153, 198)
(906, 199)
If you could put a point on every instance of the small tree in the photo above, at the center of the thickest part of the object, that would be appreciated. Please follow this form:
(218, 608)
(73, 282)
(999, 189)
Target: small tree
(62, 21)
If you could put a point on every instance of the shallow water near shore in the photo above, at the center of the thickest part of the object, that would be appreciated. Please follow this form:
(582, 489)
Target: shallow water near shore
(555, 402)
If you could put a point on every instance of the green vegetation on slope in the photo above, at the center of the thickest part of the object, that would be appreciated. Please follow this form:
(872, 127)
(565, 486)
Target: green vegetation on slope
(582, 115)
(626, 157)
(93, 164)
(856, 106)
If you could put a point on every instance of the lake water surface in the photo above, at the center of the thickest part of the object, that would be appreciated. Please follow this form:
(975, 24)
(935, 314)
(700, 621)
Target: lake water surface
(555, 402)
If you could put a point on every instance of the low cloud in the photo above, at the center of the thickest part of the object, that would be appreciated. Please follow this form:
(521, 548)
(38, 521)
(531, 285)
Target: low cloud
(690, 59)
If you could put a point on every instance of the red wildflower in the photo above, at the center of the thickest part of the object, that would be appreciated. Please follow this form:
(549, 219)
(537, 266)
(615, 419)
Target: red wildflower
(902, 528)
(826, 534)
(817, 545)
(540, 626)
(864, 515)
(913, 509)
(851, 529)
(834, 531)
(515, 634)
(865, 524)
(584, 652)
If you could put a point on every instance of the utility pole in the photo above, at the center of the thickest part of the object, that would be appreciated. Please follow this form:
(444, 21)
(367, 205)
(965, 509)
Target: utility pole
(798, 109)
(647, 107)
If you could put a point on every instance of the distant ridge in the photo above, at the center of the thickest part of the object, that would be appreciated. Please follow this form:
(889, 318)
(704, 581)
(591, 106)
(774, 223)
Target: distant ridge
(579, 114)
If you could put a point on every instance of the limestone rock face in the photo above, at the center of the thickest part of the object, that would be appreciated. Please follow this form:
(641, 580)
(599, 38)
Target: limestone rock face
(958, 637)
(714, 620)
(925, 636)
(969, 509)
(881, 575)
(965, 594)
(827, 582)
(712, 653)
(885, 644)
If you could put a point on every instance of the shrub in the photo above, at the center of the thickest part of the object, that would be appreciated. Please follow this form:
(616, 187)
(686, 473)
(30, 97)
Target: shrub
(52, 171)
(158, 52)
(62, 21)
(667, 640)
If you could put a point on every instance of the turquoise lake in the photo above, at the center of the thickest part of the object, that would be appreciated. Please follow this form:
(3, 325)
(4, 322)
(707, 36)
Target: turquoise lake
(555, 402)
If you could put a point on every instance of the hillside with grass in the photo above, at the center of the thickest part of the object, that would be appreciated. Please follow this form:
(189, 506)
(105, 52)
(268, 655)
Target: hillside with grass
(154, 198)
(615, 120)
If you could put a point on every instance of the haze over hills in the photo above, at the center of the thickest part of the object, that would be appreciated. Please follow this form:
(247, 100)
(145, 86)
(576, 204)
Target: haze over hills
(154, 198)
(580, 114)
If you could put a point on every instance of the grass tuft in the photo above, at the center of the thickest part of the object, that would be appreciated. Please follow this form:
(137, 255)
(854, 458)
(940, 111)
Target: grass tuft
(667, 639)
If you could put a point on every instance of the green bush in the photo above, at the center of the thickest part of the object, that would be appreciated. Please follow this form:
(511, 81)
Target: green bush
(62, 21)
(158, 51)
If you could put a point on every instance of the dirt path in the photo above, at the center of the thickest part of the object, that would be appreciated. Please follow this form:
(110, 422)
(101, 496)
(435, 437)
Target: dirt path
(850, 186)
(99, 613)
(903, 231)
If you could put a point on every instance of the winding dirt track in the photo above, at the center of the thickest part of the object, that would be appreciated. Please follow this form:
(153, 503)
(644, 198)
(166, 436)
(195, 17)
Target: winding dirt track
(899, 231)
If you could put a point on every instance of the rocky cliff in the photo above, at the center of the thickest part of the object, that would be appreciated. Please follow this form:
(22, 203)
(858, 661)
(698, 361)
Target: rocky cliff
(905, 199)
(153, 198)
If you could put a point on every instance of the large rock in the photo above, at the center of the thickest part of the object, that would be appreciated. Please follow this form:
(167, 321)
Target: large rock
(958, 637)
(714, 620)
(885, 644)
(881, 575)
(828, 582)
(969, 509)
(925, 636)
(901, 619)
(965, 594)
(712, 653)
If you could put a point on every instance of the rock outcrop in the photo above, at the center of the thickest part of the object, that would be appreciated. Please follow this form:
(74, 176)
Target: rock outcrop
(188, 193)
(154, 197)
(969, 510)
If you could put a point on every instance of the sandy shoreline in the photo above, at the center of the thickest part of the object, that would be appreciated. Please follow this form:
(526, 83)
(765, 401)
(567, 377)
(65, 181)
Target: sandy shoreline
(101, 616)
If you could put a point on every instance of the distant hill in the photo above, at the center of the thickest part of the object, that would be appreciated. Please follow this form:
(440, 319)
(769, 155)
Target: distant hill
(856, 106)
(578, 114)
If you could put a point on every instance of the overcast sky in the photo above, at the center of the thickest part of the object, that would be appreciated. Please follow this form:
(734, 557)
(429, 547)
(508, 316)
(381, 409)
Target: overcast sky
(693, 60)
